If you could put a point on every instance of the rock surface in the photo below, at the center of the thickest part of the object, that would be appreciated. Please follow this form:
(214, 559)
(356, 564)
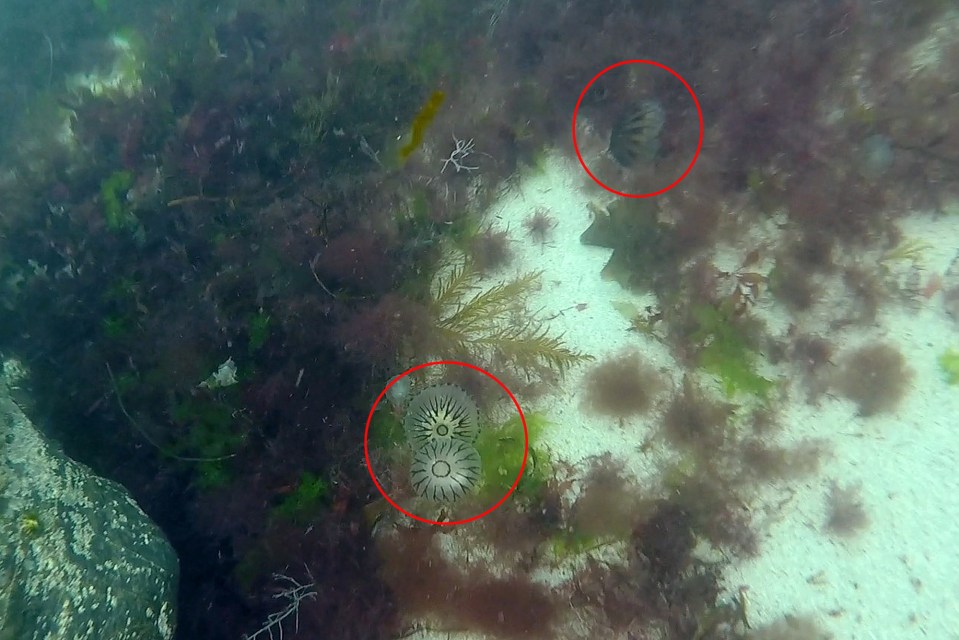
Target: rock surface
(78, 558)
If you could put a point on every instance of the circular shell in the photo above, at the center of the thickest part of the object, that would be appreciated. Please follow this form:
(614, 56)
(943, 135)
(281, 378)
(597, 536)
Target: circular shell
(445, 470)
(443, 413)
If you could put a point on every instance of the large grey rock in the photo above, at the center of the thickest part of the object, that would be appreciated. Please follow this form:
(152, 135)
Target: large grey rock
(78, 558)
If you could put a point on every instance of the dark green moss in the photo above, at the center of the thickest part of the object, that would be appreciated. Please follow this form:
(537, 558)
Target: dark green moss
(386, 431)
(258, 331)
(311, 495)
(116, 211)
(207, 431)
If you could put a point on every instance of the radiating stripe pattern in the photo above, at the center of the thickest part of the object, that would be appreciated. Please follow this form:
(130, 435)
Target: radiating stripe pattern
(441, 424)
(442, 413)
(635, 136)
(445, 471)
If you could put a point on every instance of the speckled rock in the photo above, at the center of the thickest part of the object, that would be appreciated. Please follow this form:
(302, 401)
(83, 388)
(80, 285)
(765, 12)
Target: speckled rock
(79, 560)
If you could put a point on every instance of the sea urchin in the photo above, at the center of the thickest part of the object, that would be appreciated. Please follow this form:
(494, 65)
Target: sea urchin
(443, 413)
(445, 470)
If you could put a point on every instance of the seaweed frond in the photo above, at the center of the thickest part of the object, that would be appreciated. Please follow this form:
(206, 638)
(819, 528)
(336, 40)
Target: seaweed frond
(725, 351)
(906, 251)
(501, 449)
(949, 363)
(473, 315)
(495, 324)
(449, 289)
(530, 346)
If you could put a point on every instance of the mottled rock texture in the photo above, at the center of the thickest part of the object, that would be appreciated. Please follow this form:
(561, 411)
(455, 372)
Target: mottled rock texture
(78, 558)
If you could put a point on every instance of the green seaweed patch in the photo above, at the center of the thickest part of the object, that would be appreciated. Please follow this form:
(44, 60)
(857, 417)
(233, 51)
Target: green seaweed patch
(113, 193)
(501, 450)
(211, 474)
(386, 431)
(117, 327)
(124, 300)
(680, 472)
(124, 290)
(258, 331)
(207, 431)
(949, 363)
(314, 114)
(567, 544)
(725, 352)
(251, 567)
(311, 496)
(30, 525)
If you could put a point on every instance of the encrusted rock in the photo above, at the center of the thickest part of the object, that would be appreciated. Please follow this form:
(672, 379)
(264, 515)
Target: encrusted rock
(79, 559)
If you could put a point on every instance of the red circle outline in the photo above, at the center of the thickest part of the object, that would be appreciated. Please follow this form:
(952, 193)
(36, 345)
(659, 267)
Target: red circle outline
(699, 146)
(379, 398)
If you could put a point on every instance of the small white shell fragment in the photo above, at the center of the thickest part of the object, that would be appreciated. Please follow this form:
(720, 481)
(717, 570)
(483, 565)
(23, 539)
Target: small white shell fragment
(224, 376)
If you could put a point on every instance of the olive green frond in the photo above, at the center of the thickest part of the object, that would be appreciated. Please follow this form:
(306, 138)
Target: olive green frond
(495, 303)
(530, 347)
(451, 288)
(909, 250)
(494, 325)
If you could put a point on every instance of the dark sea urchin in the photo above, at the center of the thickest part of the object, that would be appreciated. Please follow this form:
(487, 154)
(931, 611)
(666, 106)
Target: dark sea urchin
(444, 413)
(635, 137)
(445, 470)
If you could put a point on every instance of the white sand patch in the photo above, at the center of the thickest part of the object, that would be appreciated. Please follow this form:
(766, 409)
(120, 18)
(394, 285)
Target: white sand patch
(899, 577)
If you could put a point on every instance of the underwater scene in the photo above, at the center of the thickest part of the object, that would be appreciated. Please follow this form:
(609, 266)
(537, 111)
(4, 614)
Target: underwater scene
(445, 320)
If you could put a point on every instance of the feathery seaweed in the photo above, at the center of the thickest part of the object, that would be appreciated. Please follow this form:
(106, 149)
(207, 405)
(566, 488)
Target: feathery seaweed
(495, 325)
(453, 287)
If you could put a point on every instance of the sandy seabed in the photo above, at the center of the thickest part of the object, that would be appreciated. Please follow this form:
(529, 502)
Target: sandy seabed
(897, 578)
